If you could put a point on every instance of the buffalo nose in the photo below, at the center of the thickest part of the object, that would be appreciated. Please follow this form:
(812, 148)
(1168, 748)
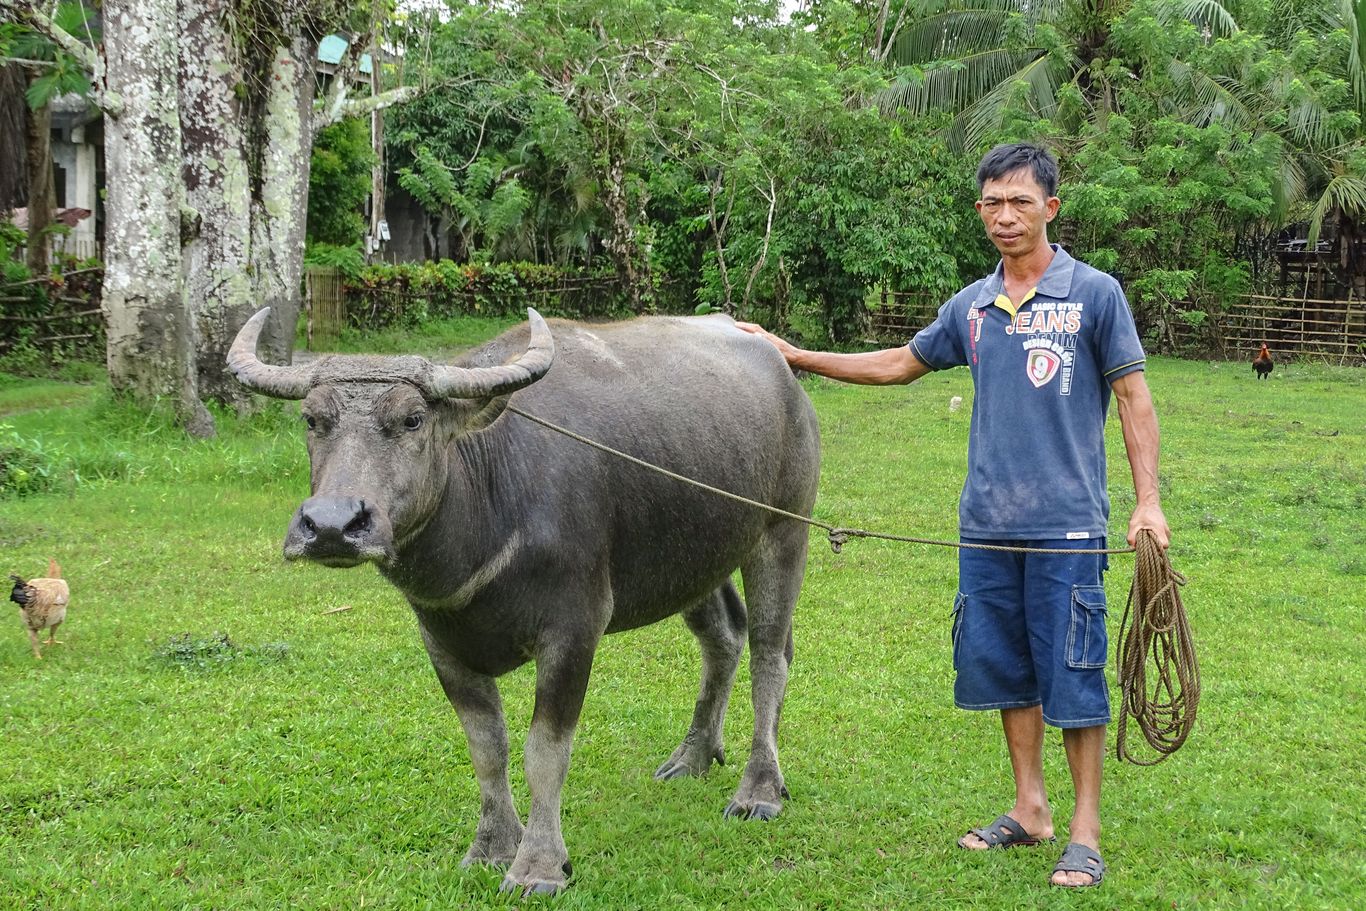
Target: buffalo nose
(328, 522)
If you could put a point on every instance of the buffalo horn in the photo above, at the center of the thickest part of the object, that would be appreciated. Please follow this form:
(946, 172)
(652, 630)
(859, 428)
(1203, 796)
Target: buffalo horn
(486, 382)
(278, 382)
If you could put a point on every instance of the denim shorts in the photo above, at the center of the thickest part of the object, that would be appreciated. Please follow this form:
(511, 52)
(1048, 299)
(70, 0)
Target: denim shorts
(1029, 629)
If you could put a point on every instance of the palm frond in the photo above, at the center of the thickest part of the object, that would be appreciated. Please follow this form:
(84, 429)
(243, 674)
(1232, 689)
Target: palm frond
(1037, 10)
(1209, 14)
(1310, 122)
(1344, 193)
(987, 113)
(957, 85)
(1209, 99)
(1293, 184)
(1354, 20)
(949, 34)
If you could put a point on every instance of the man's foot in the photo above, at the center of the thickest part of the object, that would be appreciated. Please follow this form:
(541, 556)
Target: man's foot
(1080, 866)
(1005, 832)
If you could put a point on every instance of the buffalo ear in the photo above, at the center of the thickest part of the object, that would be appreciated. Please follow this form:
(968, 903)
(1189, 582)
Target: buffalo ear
(474, 415)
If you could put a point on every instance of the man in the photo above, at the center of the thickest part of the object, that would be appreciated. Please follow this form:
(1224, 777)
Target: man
(1047, 339)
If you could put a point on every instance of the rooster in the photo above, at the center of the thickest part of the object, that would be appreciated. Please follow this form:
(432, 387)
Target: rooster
(42, 604)
(1263, 363)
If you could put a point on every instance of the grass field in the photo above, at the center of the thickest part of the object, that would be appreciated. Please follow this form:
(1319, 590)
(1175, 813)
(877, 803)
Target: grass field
(309, 760)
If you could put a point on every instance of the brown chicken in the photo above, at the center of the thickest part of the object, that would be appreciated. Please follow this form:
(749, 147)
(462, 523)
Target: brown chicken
(1263, 363)
(42, 604)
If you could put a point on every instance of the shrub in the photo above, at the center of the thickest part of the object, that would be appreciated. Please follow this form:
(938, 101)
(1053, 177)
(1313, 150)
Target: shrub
(27, 466)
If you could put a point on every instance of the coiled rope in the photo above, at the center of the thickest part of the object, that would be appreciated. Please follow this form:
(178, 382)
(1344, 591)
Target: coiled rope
(1164, 708)
(1159, 629)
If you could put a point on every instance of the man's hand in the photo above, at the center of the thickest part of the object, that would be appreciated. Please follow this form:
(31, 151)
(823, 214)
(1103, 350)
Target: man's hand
(1151, 518)
(787, 350)
(867, 368)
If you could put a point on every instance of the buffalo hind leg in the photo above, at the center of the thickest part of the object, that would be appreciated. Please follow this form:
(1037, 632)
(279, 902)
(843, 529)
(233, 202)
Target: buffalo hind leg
(480, 709)
(718, 622)
(773, 579)
(563, 664)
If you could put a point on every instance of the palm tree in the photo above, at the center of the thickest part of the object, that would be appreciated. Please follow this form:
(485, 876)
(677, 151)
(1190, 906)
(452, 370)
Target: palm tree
(972, 57)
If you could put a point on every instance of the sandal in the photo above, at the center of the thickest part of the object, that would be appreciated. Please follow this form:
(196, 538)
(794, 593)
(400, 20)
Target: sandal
(1077, 858)
(1005, 832)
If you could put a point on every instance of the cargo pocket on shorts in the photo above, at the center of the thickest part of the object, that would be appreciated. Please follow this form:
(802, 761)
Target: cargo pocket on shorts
(956, 630)
(1086, 637)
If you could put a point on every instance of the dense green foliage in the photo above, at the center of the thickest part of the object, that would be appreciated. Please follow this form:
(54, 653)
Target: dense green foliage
(339, 183)
(785, 168)
(208, 737)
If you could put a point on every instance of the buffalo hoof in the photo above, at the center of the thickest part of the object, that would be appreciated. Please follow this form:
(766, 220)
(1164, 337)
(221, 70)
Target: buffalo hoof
(752, 807)
(534, 886)
(484, 852)
(752, 811)
(472, 860)
(689, 760)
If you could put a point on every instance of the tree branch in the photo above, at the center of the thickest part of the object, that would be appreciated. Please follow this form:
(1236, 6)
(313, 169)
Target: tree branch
(885, 51)
(28, 11)
(772, 196)
(357, 107)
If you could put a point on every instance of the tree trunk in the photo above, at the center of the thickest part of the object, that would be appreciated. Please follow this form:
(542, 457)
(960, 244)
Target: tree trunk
(150, 343)
(375, 249)
(13, 138)
(42, 196)
(621, 239)
(217, 248)
(280, 205)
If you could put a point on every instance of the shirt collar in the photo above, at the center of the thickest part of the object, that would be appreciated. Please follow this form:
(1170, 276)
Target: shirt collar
(1056, 281)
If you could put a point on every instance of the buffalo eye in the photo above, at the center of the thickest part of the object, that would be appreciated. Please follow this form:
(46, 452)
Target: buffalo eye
(311, 421)
(412, 421)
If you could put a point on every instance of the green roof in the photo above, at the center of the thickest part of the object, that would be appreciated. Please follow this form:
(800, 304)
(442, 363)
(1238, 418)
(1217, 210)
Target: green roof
(331, 49)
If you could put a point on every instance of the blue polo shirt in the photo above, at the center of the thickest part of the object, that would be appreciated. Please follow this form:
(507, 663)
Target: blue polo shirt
(1036, 453)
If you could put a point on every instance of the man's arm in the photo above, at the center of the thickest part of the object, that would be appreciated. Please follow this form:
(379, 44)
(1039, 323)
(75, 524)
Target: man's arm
(873, 368)
(1138, 420)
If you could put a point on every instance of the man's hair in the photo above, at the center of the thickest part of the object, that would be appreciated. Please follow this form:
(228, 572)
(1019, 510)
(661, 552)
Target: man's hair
(1011, 157)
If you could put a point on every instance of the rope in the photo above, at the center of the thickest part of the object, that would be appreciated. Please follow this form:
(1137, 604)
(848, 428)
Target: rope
(1159, 628)
(838, 536)
(1160, 635)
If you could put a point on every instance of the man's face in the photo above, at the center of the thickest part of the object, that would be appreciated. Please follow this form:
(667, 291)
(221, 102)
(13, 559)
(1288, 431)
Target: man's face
(1016, 212)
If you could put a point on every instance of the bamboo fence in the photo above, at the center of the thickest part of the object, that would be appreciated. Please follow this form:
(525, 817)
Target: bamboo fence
(324, 305)
(1333, 331)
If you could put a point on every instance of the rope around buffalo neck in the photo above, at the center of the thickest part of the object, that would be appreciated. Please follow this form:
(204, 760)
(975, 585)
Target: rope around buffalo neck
(1160, 627)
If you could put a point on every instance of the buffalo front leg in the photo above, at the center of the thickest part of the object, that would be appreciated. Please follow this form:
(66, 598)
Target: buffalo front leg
(562, 670)
(480, 709)
(718, 622)
(773, 579)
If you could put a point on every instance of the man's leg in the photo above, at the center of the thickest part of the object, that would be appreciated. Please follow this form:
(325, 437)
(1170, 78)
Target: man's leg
(995, 671)
(1085, 757)
(1067, 598)
(1024, 739)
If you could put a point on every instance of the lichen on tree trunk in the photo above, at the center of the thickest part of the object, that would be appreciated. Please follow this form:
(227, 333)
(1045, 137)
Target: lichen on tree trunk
(209, 128)
(150, 347)
(279, 203)
(217, 239)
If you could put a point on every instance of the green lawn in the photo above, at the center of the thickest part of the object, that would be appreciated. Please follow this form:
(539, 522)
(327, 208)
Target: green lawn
(314, 763)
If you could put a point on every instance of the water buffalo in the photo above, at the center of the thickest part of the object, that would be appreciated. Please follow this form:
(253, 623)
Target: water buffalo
(515, 543)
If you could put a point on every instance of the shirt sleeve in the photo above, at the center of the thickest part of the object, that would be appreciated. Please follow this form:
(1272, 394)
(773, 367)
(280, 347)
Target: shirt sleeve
(940, 344)
(1117, 345)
